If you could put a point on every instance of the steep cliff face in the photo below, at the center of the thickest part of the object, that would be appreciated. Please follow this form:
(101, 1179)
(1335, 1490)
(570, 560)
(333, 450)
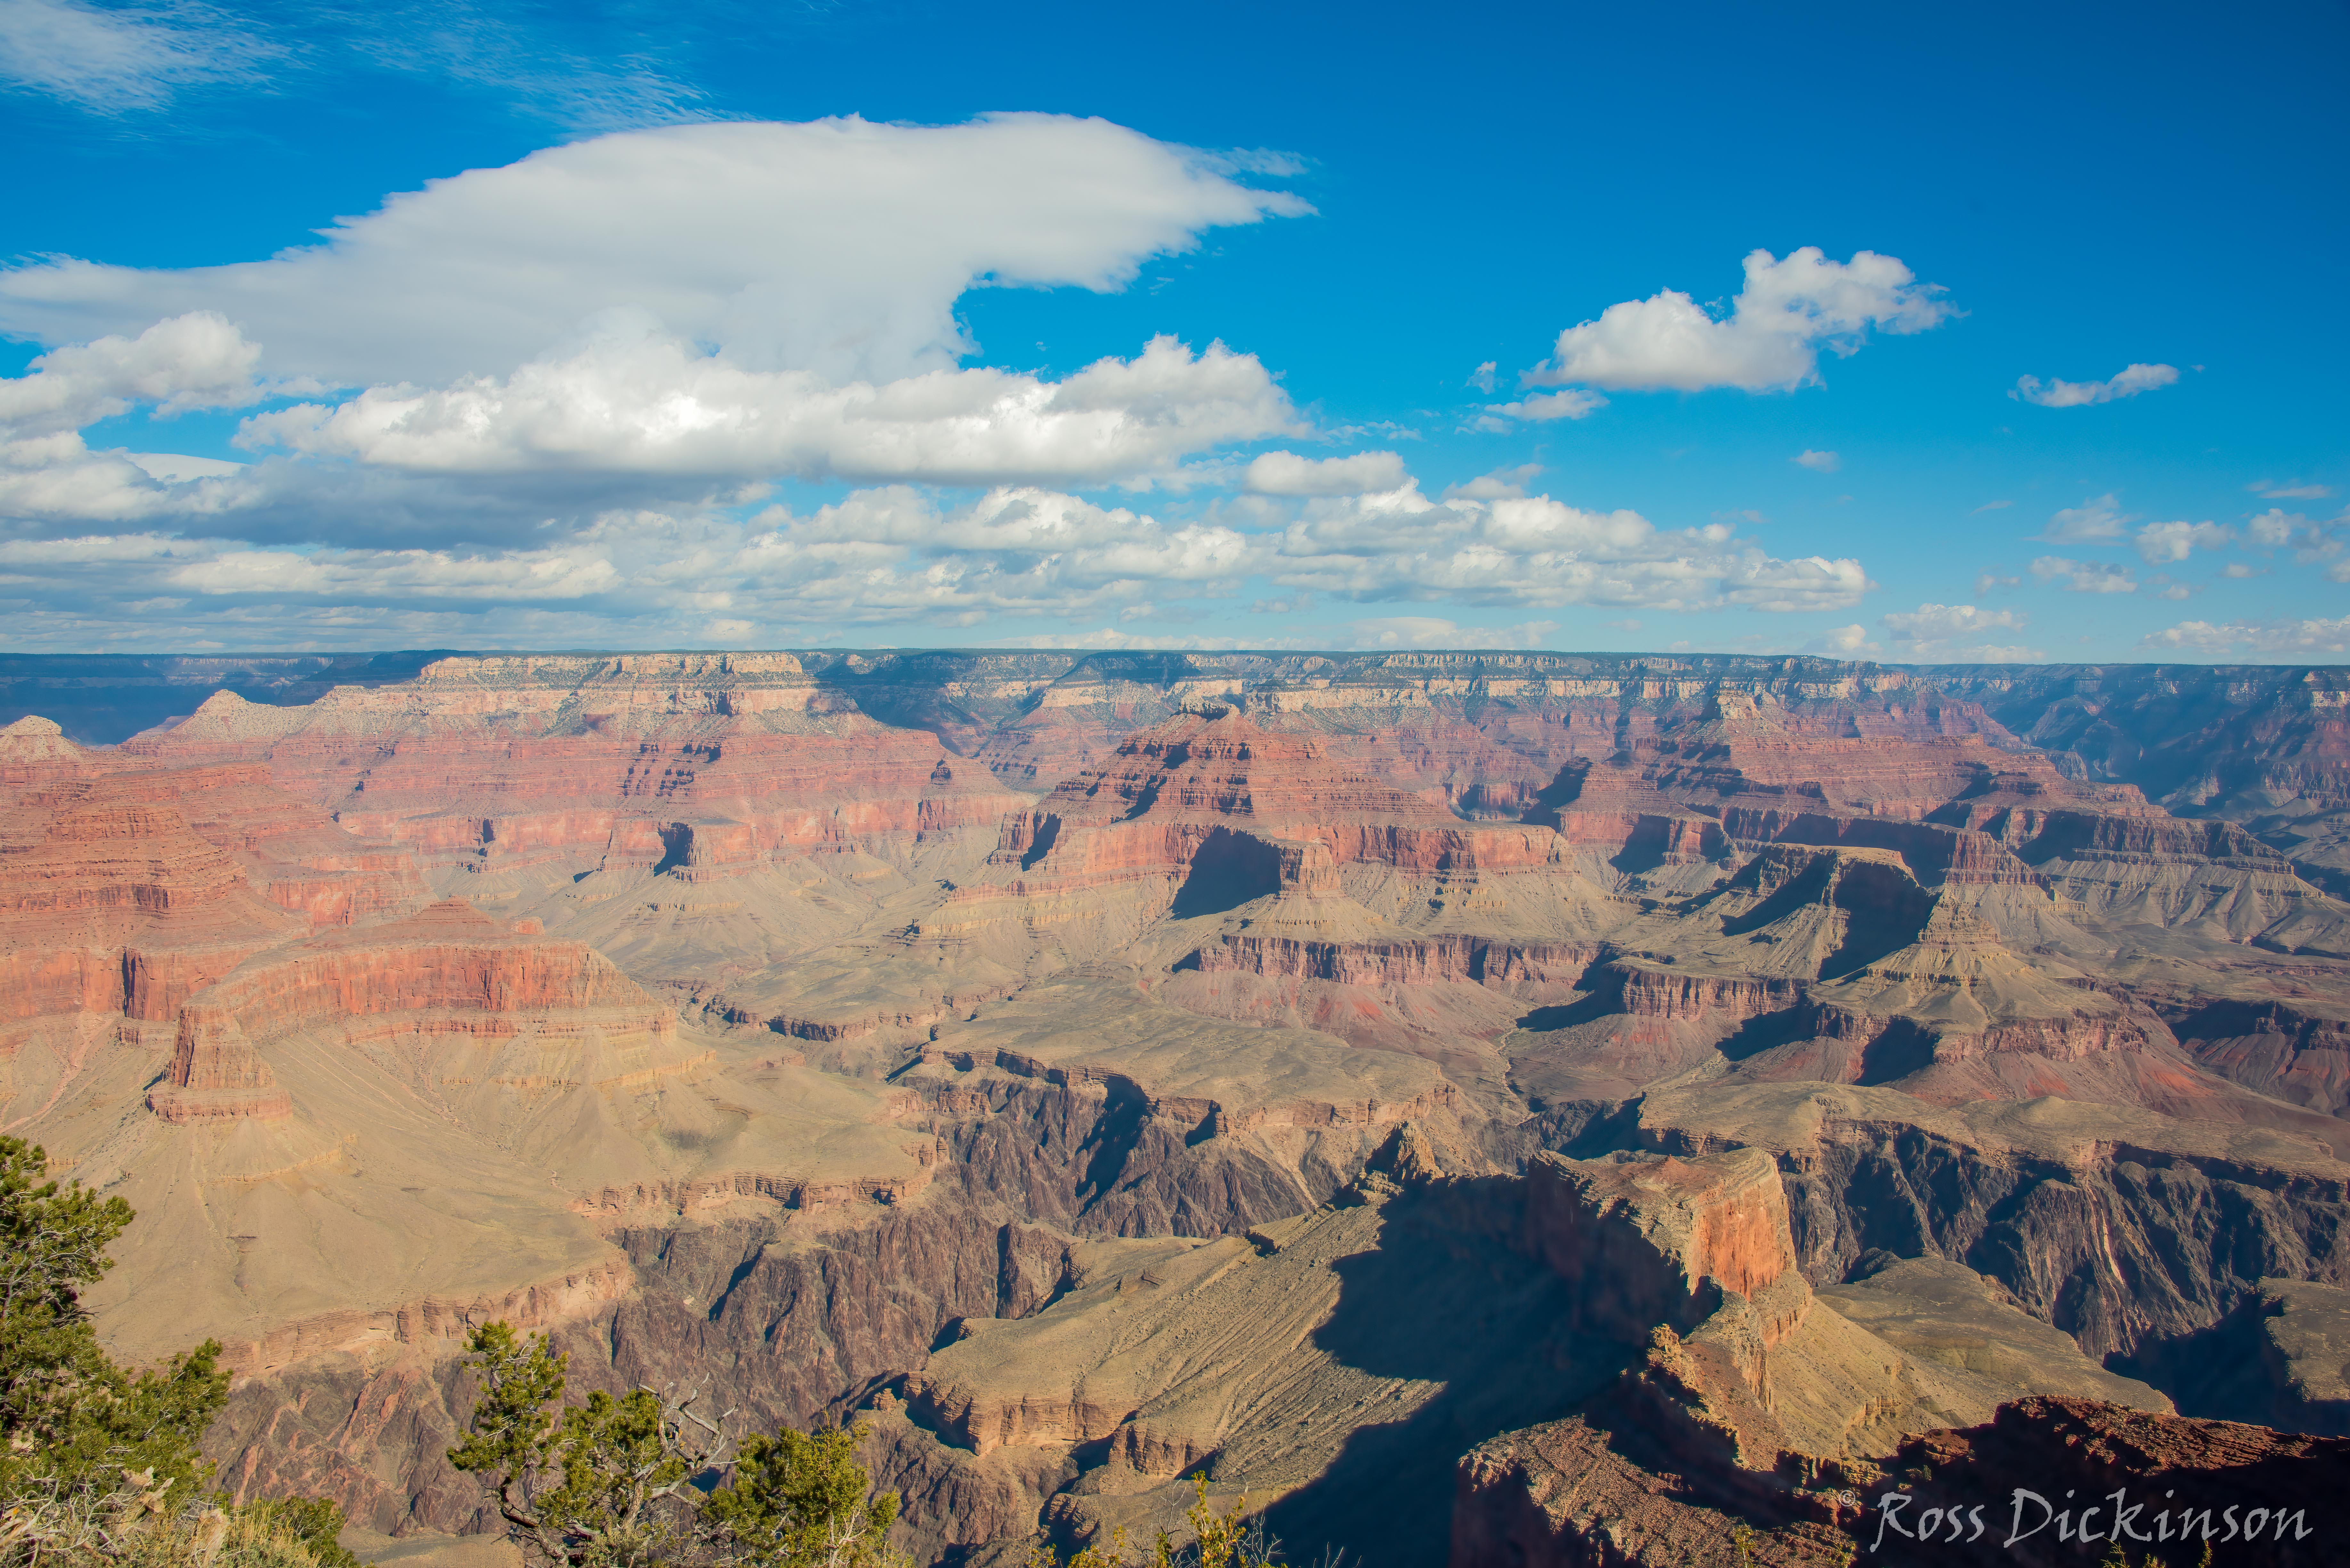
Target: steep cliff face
(713, 765)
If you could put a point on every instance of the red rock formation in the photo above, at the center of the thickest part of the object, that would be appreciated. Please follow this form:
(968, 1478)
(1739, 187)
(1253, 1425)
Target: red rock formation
(217, 1075)
(1676, 994)
(680, 764)
(1212, 786)
(449, 959)
(1650, 1234)
(1478, 960)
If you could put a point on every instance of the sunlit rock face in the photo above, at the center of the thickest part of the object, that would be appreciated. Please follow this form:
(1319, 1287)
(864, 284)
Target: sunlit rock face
(1367, 1080)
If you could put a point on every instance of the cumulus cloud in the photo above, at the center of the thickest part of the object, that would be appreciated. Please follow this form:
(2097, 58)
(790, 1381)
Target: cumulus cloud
(641, 401)
(194, 362)
(2085, 576)
(1287, 473)
(836, 247)
(2164, 543)
(2126, 383)
(2088, 522)
(2271, 641)
(1818, 461)
(1483, 377)
(1787, 312)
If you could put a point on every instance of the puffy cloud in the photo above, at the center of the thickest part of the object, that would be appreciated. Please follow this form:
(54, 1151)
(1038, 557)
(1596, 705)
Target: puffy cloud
(2085, 576)
(1483, 377)
(193, 362)
(1534, 551)
(2089, 522)
(2162, 544)
(2127, 383)
(1788, 311)
(1994, 581)
(1818, 461)
(113, 61)
(836, 246)
(1287, 473)
(640, 401)
(2278, 640)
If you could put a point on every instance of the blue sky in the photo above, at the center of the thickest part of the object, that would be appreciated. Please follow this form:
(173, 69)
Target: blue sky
(1917, 336)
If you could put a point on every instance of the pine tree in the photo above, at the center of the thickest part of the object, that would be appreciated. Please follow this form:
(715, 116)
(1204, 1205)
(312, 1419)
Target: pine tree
(71, 1421)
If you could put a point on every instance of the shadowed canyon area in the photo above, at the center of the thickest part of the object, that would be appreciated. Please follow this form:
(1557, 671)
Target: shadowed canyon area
(1513, 1109)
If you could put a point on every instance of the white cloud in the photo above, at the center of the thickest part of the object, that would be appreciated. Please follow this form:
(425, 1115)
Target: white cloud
(2163, 543)
(2282, 640)
(638, 402)
(836, 247)
(1572, 404)
(1818, 461)
(1990, 506)
(2269, 490)
(2089, 522)
(1502, 485)
(2127, 383)
(1483, 377)
(2275, 527)
(110, 60)
(2238, 569)
(1287, 473)
(2085, 576)
(1843, 642)
(176, 467)
(1994, 581)
(1534, 551)
(1941, 625)
(1428, 631)
(193, 362)
(1788, 311)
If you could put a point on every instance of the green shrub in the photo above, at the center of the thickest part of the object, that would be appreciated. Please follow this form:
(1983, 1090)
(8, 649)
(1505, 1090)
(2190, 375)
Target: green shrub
(98, 1465)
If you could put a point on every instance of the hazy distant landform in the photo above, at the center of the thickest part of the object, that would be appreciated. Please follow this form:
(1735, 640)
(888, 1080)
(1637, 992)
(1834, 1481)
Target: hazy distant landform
(1505, 1108)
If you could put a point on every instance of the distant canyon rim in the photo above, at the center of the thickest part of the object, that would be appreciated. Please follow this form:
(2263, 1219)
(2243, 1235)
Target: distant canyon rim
(1489, 1108)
